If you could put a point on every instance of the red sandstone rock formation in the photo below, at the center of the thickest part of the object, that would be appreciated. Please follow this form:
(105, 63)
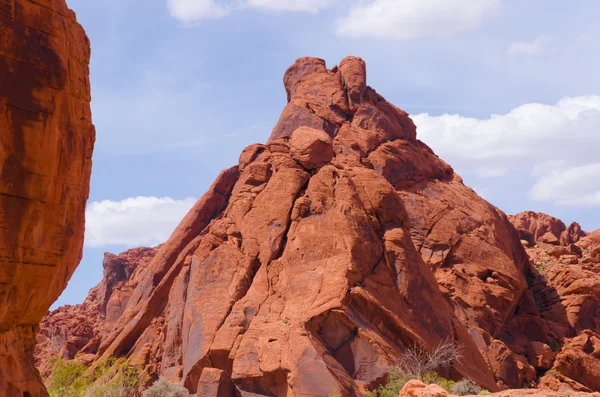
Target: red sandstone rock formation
(536, 227)
(308, 267)
(415, 388)
(75, 332)
(47, 138)
(323, 254)
(565, 284)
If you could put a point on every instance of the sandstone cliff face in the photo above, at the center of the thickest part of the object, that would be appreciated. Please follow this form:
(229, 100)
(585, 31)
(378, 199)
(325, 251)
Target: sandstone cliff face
(564, 281)
(75, 332)
(308, 267)
(46, 142)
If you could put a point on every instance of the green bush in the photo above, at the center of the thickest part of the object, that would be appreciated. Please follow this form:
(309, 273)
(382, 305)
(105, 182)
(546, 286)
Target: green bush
(109, 379)
(66, 378)
(162, 388)
(396, 383)
(115, 379)
(434, 378)
(465, 388)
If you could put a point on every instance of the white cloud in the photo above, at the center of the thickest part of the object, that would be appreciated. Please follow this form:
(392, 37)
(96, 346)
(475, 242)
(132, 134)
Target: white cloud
(311, 6)
(409, 19)
(575, 186)
(189, 11)
(551, 143)
(491, 172)
(134, 221)
(536, 48)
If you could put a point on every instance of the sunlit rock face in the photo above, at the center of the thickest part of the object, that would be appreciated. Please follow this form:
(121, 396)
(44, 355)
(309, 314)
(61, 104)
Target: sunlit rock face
(46, 143)
(311, 265)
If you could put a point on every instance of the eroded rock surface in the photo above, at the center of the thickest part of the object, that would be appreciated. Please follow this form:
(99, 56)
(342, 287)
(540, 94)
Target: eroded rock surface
(536, 227)
(46, 143)
(311, 265)
(297, 271)
(75, 332)
(419, 389)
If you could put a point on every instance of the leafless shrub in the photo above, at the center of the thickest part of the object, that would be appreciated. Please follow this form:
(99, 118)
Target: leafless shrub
(420, 361)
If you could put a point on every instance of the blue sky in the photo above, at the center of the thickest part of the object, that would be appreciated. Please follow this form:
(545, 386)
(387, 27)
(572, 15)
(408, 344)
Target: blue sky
(506, 91)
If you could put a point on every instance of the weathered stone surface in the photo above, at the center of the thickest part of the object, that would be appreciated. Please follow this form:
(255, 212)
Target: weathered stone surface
(579, 359)
(309, 267)
(416, 388)
(300, 275)
(46, 143)
(540, 355)
(311, 148)
(567, 293)
(538, 227)
(215, 382)
(75, 331)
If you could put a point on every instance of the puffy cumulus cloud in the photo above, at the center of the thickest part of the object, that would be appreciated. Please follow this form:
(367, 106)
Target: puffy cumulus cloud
(410, 19)
(557, 145)
(540, 46)
(189, 11)
(573, 186)
(134, 221)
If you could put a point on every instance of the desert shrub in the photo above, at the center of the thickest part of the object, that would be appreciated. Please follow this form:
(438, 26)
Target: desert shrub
(422, 364)
(162, 388)
(115, 379)
(420, 361)
(465, 388)
(66, 378)
(395, 384)
(434, 378)
(109, 379)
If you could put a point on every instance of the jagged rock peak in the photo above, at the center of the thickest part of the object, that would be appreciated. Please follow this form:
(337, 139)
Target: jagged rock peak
(330, 99)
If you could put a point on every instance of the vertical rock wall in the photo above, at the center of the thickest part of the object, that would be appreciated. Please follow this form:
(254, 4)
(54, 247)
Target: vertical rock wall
(46, 143)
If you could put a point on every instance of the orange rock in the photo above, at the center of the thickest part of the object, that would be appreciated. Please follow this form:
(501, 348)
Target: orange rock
(540, 355)
(416, 388)
(45, 163)
(579, 359)
(311, 148)
(215, 382)
(538, 227)
(71, 331)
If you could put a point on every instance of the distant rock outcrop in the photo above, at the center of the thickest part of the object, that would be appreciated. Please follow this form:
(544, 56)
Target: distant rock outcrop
(536, 227)
(46, 143)
(75, 332)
